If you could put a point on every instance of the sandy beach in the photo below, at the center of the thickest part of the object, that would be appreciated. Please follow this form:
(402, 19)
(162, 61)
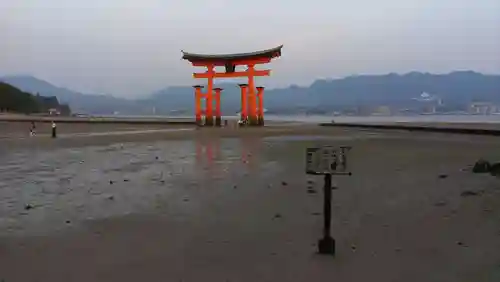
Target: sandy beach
(185, 204)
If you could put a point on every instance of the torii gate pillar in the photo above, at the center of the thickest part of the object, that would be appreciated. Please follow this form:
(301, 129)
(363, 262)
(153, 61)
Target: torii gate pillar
(260, 108)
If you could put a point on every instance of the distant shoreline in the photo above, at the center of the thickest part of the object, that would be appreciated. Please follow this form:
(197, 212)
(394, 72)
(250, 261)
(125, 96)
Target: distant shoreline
(475, 121)
(113, 120)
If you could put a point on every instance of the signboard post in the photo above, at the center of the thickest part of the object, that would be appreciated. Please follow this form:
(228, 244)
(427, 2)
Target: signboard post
(327, 161)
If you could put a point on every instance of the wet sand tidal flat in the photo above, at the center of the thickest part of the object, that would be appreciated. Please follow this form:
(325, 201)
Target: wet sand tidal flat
(236, 205)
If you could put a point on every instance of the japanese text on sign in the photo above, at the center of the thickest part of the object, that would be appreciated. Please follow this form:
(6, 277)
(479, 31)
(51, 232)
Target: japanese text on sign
(326, 160)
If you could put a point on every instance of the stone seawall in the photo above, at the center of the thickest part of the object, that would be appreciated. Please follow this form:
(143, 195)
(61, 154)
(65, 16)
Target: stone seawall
(474, 129)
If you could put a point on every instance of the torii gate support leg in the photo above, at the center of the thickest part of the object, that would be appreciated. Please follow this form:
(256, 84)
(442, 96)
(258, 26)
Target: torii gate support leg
(260, 110)
(218, 118)
(197, 103)
(244, 106)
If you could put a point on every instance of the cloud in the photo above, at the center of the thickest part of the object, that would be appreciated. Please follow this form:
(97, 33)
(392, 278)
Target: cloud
(131, 48)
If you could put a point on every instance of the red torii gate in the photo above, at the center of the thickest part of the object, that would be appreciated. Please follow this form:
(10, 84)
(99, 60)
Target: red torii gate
(252, 100)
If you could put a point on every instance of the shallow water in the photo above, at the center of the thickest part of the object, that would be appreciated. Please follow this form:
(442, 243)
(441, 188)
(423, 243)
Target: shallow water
(389, 119)
(324, 137)
(363, 119)
(47, 189)
(77, 184)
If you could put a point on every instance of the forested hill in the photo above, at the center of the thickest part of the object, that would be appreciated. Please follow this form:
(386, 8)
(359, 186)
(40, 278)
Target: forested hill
(16, 101)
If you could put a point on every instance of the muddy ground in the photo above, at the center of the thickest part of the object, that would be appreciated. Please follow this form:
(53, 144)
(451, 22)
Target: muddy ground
(229, 205)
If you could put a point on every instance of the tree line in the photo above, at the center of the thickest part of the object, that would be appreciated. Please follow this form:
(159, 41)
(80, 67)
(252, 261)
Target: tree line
(14, 100)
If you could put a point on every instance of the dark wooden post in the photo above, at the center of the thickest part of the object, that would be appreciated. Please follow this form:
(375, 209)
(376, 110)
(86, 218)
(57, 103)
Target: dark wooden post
(326, 245)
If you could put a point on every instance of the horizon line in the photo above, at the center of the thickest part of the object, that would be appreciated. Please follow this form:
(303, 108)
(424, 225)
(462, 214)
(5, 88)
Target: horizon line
(328, 79)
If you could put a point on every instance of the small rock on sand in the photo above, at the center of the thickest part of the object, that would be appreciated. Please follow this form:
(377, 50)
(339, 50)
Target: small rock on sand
(481, 166)
(495, 169)
(469, 193)
(440, 204)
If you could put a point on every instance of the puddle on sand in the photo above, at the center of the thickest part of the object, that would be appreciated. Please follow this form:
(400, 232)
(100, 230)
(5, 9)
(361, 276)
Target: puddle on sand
(322, 137)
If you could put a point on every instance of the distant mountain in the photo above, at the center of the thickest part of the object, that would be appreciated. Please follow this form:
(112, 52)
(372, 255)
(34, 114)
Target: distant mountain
(181, 98)
(456, 89)
(81, 103)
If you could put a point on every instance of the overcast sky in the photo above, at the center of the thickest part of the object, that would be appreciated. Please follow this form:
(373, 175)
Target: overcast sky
(130, 48)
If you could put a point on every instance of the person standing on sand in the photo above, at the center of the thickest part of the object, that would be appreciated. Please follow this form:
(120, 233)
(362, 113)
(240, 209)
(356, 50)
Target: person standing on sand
(54, 129)
(32, 129)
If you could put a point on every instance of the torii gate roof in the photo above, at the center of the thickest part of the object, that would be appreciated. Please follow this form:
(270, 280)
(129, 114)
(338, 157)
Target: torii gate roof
(227, 58)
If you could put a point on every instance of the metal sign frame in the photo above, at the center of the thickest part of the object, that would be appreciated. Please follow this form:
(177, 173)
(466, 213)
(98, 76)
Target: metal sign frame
(327, 160)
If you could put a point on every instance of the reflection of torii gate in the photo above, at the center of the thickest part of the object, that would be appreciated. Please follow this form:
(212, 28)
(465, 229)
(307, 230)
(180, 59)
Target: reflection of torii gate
(252, 104)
